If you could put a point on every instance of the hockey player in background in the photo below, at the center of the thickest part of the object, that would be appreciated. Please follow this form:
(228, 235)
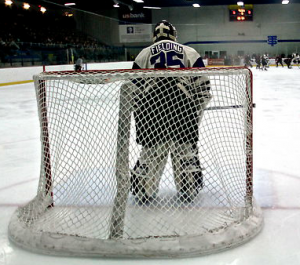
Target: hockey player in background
(288, 61)
(79, 65)
(167, 113)
(248, 61)
(278, 60)
(258, 61)
(264, 62)
(296, 59)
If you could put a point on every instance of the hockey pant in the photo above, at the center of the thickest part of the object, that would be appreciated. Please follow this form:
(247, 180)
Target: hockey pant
(146, 174)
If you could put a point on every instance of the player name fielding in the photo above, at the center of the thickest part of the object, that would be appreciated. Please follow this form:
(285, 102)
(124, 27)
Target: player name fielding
(166, 47)
(93, 201)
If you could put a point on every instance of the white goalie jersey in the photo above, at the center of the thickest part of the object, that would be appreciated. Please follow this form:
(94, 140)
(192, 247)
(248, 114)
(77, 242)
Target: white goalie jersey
(167, 54)
(167, 113)
(174, 104)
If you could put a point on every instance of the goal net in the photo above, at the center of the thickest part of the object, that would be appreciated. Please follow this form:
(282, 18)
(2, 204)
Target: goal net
(142, 163)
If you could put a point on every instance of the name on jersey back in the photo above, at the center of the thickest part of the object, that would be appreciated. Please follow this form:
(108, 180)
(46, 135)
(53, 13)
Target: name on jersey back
(166, 46)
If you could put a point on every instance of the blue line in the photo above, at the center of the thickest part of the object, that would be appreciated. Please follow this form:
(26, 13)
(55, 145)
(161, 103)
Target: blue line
(288, 40)
(236, 41)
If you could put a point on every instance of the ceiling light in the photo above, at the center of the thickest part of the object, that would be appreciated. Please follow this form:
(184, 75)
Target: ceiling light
(70, 4)
(196, 5)
(116, 5)
(240, 3)
(139, 1)
(151, 7)
(43, 9)
(285, 2)
(8, 2)
(26, 6)
(68, 14)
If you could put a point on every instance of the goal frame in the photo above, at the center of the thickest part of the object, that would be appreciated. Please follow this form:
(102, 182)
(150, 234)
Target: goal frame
(115, 245)
(117, 220)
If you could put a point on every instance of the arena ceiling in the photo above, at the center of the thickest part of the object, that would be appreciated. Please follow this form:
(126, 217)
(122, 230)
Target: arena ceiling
(96, 5)
(172, 3)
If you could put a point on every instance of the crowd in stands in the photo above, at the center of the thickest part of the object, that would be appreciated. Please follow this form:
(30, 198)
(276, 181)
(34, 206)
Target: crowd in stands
(32, 33)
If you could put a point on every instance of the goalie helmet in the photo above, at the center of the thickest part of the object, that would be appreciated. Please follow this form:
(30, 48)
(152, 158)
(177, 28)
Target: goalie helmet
(164, 30)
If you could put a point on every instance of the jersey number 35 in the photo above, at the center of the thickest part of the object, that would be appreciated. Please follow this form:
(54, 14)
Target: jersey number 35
(167, 59)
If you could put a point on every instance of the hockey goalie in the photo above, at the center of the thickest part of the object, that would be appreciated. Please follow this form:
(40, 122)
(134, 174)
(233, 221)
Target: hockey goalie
(167, 113)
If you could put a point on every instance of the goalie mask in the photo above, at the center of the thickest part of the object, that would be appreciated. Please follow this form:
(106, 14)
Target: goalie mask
(164, 30)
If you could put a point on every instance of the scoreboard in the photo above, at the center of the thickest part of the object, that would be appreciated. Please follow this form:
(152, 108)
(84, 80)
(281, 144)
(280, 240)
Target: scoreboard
(241, 13)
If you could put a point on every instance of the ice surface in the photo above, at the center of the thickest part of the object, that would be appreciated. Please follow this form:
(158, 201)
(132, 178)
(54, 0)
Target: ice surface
(276, 173)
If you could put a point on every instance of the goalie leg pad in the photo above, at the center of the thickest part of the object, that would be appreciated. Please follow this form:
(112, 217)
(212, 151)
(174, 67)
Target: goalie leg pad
(146, 174)
(187, 171)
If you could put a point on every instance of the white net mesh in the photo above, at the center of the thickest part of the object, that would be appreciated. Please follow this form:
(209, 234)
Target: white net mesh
(142, 163)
